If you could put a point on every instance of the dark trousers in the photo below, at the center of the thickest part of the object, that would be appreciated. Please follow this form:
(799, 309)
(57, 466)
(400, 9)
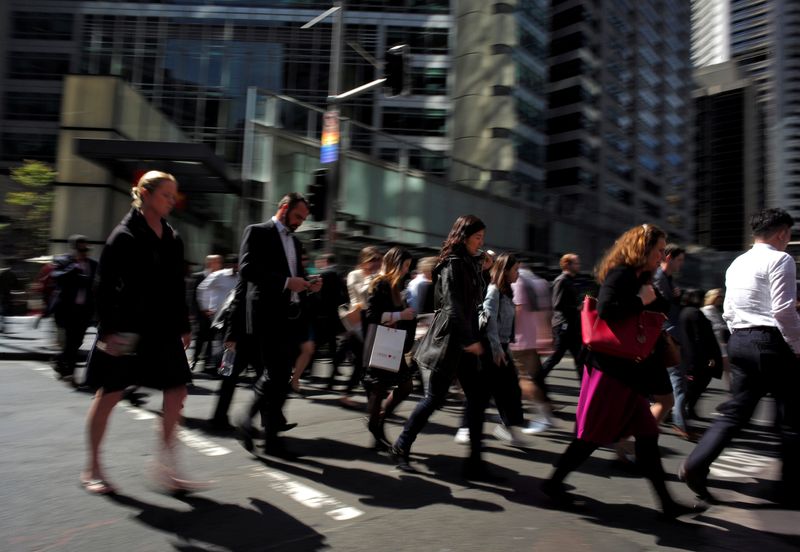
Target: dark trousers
(74, 325)
(203, 339)
(503, 385)
(354, 344)
(278, 350)
(761, 362)
(696, 385)
(245, 349)
(475, 388)
(564, 339)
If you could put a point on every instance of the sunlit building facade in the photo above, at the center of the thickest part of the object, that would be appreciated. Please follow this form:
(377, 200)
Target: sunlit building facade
(619, 120)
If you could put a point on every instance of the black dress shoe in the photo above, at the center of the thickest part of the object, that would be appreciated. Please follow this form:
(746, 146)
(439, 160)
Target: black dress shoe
(215, 424)
(287, 426)
(697, 484)
(246, 434)
(401, 459)
(556, 492)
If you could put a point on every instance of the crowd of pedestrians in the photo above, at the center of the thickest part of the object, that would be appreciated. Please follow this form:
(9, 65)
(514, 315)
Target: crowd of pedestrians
(469, 320)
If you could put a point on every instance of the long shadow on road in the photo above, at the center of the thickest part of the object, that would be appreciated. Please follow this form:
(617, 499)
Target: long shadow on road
(228, 526)
(408, 491)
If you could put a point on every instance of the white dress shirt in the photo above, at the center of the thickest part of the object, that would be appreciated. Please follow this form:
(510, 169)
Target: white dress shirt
(289, 251)
(761, 291)
(214, 288)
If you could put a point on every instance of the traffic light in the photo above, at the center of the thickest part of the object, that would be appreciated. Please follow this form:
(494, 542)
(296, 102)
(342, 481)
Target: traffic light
(396, 70)
(317, 194)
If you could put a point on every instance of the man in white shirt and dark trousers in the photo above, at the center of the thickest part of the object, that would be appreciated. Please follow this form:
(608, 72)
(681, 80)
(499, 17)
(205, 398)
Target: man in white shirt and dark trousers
(763, 350)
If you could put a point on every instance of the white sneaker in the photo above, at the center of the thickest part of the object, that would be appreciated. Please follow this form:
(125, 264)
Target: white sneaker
(511, 435)
(462, 436)
(537, 426)
(502, 434)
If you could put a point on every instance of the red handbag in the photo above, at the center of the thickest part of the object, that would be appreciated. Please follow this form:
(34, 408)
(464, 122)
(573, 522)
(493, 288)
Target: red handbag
(632, 338)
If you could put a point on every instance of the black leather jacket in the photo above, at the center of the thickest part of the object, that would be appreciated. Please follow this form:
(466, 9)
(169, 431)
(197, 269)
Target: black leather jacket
(457, 297)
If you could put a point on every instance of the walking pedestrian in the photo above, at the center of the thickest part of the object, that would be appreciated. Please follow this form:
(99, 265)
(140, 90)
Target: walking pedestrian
(566, 320)
(669, 394)
(358, 280)
(764, 347)
(700, 354)
(712, 309)
(144, 326)
(202, 328)
(452, 346)
(74, 302)
(211, 294)
(612, 402)
(270, 262)
(386, 306)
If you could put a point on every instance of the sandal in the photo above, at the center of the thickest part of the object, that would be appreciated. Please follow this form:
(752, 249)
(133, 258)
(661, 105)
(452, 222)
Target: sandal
(98, 486)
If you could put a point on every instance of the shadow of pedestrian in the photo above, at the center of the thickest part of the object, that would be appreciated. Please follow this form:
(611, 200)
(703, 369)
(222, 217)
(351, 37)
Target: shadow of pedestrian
(695, 533)
(407, 491)
(227, 526)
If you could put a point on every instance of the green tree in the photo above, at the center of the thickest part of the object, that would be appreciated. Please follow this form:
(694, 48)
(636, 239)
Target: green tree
(28, 234)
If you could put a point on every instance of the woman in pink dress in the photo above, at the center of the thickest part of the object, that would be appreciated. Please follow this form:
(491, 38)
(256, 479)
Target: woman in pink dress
(613, 402)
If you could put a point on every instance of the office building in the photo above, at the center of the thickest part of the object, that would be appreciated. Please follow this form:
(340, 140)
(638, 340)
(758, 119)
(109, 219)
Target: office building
(619, 121)
(726, 157)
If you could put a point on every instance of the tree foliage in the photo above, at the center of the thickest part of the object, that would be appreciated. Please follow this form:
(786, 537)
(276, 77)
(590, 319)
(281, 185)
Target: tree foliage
(28, 234)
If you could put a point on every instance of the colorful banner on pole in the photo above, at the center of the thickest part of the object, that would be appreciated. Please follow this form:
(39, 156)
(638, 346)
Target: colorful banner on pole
(329, 152)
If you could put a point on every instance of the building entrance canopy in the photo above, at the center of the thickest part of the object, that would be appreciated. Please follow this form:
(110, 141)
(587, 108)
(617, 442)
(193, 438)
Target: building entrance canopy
(195, 166)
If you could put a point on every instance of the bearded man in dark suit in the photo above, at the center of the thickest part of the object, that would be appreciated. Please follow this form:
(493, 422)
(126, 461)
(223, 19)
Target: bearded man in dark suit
(270, 265)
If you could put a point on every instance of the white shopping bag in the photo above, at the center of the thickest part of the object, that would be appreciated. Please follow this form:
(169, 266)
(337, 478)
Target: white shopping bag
(383, 347)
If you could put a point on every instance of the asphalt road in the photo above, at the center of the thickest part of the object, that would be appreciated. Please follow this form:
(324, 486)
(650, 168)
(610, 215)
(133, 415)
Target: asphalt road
(340, 495)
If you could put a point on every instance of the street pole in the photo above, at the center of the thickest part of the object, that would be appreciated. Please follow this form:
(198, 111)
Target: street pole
(334, 85)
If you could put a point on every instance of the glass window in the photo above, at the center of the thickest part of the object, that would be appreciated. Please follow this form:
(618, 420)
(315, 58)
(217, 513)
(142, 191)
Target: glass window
(35, 65)
(18, 146)
(428, 81)
(421, 40)
(420, 122)
(42, 26)
(32, 106)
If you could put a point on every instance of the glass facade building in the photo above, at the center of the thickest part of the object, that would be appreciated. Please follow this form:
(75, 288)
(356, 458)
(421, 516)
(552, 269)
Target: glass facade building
(619, 119)
(194, 61)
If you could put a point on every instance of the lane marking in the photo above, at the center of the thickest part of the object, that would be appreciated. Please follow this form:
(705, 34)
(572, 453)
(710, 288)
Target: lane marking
(739, 463)
(201, 444)
(305, 495)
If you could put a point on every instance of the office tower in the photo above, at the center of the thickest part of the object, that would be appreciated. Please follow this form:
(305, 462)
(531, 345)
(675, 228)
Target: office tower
(726, 157)
(619, 121)
(710, 32)
(764, 41)
(195, 60)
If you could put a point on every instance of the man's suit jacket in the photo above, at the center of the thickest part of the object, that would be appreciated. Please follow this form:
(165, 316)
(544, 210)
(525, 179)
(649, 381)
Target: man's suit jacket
(70, 280)
(264, 269)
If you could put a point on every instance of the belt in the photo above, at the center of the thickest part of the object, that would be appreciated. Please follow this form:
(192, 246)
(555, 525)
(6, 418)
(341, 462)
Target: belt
(767, 329)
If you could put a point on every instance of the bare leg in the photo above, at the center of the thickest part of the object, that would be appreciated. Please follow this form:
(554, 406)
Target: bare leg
(303, 359)
(173, 407)
(96, 424)
(662, 404)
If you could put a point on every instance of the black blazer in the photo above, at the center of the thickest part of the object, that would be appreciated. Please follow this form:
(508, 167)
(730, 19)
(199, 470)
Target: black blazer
(70, 280)
(263, 269)
(141, 286)
(699, 344)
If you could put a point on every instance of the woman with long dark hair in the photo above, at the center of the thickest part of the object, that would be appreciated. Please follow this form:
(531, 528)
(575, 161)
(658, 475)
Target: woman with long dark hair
(452, 346)
(498, 373)
(613, 402)
(386, 305)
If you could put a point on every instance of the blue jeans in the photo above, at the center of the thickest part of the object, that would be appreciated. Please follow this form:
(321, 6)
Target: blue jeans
(677, 376)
